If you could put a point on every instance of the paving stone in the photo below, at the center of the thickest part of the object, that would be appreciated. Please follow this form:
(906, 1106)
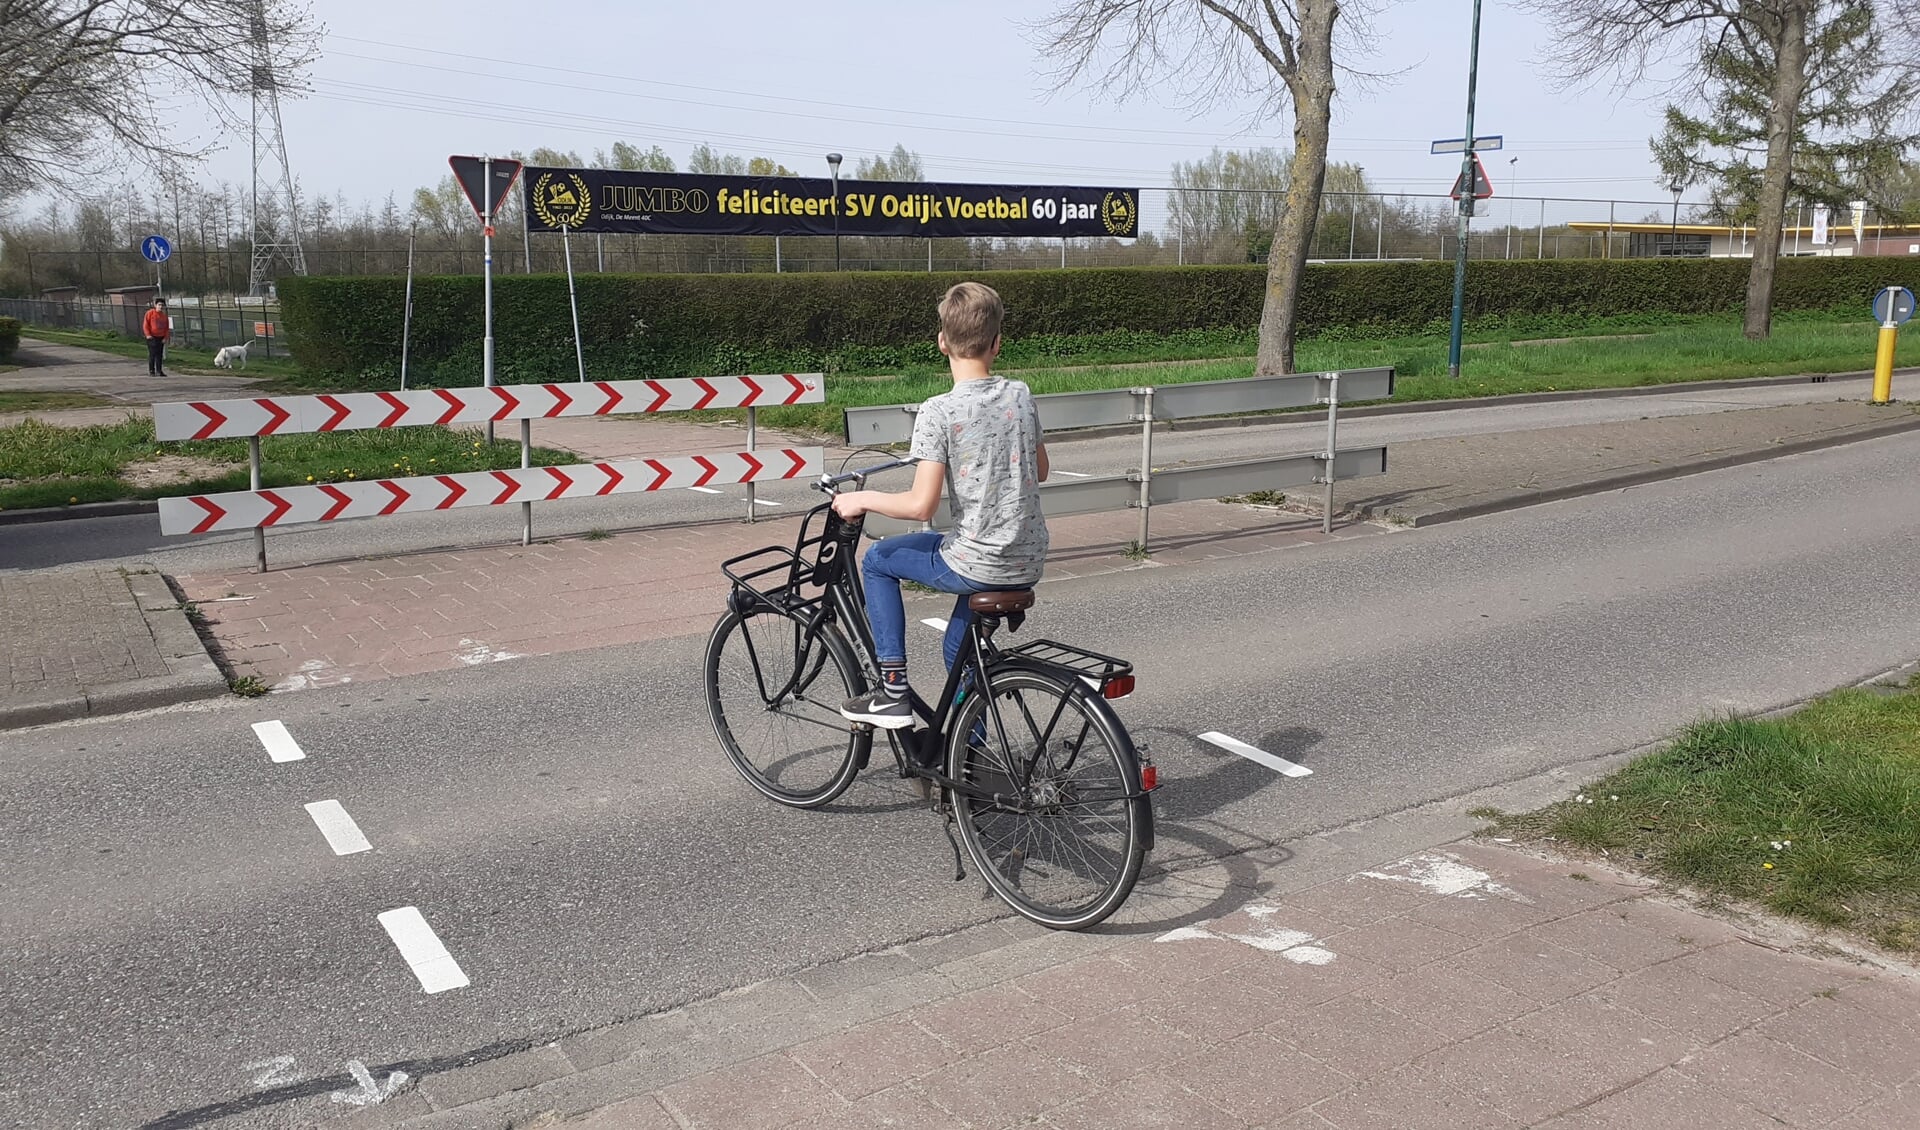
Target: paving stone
(1669, 1098)
(1784, 979)
(1113, 1046)
(873, 1057)
(1005, 1085)
(761, 1094)
(1701, 1008)
(643, 1113)
(1534, 968)
(1847, 1036)
(1150, 1099)
(1357, 1037)
(1525, 1078)
(1258, 1078)
(447, 1089)
(987, 1018)
(1219, 1008)
(1410, 1099)
(1454, 1002)
(1778, 1080)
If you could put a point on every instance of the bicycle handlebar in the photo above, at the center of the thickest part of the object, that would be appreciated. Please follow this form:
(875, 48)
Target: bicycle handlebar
(831, 483)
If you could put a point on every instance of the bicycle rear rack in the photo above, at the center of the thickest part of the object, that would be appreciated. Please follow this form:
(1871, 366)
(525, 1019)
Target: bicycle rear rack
(1102, 672)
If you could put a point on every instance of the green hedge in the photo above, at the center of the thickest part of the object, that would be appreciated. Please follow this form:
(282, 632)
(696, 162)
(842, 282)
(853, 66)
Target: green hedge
(9, 337)
(348, 329)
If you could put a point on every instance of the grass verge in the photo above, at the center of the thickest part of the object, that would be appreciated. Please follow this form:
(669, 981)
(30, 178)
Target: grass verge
(1699, 350)
(50, 401)
(44, 465)
(1815, 815)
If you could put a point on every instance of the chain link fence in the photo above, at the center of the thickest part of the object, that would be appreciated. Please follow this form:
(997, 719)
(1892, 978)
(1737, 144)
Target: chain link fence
(198, 323)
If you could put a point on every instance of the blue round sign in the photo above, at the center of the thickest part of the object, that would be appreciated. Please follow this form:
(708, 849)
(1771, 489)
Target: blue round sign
(1893, 306)
(156, 248)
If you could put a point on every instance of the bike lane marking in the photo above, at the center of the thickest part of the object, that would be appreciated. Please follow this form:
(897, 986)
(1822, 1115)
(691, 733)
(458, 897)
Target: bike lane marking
(1257, 756)
(279, 744)
(935, 623)
(422, 950)
(1071, 474)
(707, 490)
(343, 835)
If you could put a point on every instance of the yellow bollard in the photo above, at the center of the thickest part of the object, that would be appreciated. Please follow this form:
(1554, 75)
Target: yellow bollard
(1883, 364)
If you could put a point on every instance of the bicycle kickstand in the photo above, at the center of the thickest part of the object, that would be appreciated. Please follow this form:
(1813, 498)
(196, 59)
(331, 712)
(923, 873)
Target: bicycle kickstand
(959, 871)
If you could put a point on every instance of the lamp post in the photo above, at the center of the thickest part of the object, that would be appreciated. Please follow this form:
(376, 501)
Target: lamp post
(1513, 202)
(1466, 204)
(833, 164)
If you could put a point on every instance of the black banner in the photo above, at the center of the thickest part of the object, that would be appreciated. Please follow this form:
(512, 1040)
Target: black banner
(608, 200)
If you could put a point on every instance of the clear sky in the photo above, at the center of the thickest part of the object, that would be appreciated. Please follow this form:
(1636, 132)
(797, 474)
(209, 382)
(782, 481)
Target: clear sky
(404, 83)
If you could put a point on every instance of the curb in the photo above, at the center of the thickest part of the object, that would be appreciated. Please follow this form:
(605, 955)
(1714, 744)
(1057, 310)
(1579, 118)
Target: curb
(192, 675)
(1631, 479)
(83, 510)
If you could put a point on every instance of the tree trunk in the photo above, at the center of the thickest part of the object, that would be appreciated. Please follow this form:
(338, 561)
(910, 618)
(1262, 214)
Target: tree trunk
(1789, 86)
(1312, 89)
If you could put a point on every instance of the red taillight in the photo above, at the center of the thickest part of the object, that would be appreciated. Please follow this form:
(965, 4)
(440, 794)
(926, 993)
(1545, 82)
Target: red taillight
(1118, 687)
(1149, 778)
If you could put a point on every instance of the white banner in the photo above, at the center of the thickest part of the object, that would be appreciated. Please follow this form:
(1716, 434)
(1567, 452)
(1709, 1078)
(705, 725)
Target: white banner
(1821, 235)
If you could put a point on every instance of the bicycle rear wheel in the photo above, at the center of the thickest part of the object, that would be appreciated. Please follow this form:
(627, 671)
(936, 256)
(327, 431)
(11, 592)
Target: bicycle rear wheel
(1064, 837)
(783, 731)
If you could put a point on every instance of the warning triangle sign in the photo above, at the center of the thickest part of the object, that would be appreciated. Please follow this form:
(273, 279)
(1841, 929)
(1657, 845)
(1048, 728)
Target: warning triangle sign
(1482, 187)
(471, 172)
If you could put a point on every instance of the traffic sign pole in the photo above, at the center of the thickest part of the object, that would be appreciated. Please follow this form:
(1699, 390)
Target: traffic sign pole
(1467, 183)
(486, 265)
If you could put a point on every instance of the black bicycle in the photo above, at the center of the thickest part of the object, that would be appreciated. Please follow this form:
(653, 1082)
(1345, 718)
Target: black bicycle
(1048, 791)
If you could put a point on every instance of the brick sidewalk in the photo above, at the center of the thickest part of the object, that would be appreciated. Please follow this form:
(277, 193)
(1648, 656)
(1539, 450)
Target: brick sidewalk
(320, 625)
(93, 641)
(1475, 986)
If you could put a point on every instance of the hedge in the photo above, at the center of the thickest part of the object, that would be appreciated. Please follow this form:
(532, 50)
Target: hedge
(9, 337)
(348, 329)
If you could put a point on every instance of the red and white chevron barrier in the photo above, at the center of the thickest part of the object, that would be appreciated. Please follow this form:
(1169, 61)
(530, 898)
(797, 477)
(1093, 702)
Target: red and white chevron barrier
(355, 411)
(247, 509)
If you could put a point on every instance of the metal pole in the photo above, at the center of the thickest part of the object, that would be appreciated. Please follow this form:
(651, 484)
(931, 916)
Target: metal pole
(929, 256)
(1063, 251)
(526, 460)
(1543, 230)
(406, 312)
(573, 305)
(1146, 461)
(753, 422)
(1380, 230)
(1353, 221)
(526, 233)
(776, 254)
(486, 269)
(1333, 424)
(600, 252)
(1466, 204)
(253, 480)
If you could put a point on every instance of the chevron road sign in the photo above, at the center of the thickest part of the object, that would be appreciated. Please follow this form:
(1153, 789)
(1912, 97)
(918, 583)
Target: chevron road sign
(354, 411)
(249, 509)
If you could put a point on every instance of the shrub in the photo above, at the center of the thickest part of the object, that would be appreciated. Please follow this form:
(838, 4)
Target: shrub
(9, 337)
(697, 325)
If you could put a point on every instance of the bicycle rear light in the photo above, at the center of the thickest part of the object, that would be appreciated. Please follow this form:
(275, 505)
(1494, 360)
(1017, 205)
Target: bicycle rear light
(1120, 686)
(1149, 778)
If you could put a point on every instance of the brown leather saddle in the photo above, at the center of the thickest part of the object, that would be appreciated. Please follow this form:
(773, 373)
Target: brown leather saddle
(1000, 603)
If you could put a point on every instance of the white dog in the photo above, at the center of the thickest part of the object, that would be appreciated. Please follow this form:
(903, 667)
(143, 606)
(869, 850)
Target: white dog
(230, 353)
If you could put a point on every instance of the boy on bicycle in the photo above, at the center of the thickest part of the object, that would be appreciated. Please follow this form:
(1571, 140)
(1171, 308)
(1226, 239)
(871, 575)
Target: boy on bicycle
(983, 441)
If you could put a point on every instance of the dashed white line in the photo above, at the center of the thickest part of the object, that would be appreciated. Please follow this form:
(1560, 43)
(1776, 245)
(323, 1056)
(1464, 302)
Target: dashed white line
(767, 502)
(279, 744)
(1071, 474)
(342, 834)
(936, 623)
(421, 948)
(707, 490)
(1257, 756)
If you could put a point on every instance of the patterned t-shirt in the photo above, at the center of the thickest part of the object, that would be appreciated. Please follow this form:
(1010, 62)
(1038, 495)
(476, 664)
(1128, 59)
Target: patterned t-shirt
(987, 433)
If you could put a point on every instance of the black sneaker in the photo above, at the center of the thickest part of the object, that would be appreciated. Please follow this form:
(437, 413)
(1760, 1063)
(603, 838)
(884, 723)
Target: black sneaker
(878, 708)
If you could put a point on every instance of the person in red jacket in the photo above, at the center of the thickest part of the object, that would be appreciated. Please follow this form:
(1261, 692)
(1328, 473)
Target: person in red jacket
(158, 328)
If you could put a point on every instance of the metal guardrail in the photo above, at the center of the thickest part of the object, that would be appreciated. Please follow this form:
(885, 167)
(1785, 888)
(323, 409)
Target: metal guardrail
(1145, 487)
(1062, 411)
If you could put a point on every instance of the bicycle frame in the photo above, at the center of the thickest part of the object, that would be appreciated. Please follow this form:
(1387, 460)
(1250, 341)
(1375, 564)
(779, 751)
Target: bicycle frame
(835, 570)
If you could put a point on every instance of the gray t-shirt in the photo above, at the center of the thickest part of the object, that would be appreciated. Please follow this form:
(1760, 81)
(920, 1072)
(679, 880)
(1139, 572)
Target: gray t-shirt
(987, 433)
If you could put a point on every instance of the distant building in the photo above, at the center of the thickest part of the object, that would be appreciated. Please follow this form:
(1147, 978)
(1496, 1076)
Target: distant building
(1721, 241)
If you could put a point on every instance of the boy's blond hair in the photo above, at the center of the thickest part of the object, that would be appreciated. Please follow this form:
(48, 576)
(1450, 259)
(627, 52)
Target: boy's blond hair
(970, 318)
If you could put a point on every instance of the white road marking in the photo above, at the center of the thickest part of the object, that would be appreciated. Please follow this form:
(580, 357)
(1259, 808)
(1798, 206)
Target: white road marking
(707, 490)
(475, 652)
(1294, 945)
(421, 948)
(1445, 876)
(936, 623)
(366, 1092)
(1069, 474)
(767, 502)
(279, 744)
(275, 1072)
(342, 834)
(1258, 756)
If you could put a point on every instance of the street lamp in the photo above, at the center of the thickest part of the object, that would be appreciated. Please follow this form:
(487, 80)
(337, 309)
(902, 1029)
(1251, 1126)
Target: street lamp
(833, 163)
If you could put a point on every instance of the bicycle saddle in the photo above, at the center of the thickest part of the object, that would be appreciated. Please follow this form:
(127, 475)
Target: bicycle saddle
(1000, 603)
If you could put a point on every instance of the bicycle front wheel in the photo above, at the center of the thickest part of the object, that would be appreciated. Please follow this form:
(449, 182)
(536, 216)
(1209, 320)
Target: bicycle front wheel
(1064, 834)
(774, 693)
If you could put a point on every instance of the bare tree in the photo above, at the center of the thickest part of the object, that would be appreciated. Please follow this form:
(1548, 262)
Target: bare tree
(87, 77)
(1773, 61)
(1279, 52)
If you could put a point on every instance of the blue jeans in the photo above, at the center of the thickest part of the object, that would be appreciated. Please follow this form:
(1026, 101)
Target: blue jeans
(913, 557)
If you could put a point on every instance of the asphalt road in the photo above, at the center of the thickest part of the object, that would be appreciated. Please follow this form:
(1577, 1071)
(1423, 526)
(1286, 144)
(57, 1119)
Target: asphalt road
(569, 830)
(136, 538)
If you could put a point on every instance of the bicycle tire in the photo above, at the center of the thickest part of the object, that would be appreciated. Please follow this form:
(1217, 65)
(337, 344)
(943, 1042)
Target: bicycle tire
(830, 752)
(1025, 856)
